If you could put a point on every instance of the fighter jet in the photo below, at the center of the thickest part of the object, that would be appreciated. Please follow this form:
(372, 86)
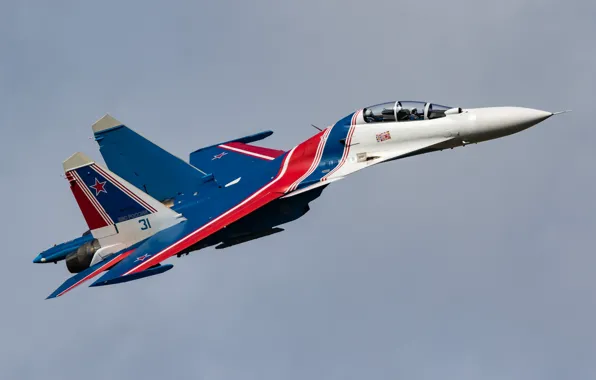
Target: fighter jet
(148, 205)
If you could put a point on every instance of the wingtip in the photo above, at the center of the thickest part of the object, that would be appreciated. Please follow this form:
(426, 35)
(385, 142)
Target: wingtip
(54, 294)
(105, 123)
(75, 161)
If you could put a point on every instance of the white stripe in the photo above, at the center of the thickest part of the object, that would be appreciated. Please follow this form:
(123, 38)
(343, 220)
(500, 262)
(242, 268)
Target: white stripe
(348, 142)
(247, 152)
(231, 183)
(281, 174)
(316, 161)
(318, 157)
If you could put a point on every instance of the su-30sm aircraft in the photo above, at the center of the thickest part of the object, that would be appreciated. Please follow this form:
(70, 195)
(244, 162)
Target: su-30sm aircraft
(150, 205)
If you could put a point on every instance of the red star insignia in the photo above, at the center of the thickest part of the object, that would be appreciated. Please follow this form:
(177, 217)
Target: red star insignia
(218, 156)
(99, 187)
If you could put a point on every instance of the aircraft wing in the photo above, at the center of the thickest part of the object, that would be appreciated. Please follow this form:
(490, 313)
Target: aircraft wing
(240, 157)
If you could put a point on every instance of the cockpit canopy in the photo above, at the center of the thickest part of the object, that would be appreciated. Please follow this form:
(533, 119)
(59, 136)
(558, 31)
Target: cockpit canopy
(403, 111)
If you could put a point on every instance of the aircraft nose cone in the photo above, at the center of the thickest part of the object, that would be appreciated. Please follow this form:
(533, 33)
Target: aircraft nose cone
(527, 117)
(497, 122)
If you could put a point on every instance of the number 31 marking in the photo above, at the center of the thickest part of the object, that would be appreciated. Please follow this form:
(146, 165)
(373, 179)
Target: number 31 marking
(146, 224)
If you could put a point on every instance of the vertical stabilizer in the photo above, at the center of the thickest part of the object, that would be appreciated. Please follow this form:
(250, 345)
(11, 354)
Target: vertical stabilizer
(143, 163)
(115, 211)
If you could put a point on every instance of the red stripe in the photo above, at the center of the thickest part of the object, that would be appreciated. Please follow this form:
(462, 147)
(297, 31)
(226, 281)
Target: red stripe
(312, 166)
(92, 198)
(316, 161)
(246, 152)
(92, 215)
(295, 164)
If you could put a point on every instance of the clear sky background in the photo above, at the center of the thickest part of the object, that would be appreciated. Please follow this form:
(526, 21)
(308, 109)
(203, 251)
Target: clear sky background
(476, 263)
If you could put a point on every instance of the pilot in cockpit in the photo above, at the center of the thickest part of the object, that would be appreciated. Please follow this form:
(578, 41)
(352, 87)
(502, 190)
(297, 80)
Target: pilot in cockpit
(414, 114)
(370, 117)
(403, 114)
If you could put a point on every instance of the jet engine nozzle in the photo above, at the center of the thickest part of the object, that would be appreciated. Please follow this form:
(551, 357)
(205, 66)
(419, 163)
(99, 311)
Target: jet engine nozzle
(81, 259)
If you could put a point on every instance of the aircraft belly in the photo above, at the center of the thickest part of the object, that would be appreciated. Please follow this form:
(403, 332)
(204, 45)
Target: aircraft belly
(261, 222)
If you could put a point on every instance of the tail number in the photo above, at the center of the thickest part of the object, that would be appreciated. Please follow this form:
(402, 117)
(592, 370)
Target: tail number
(145, 224)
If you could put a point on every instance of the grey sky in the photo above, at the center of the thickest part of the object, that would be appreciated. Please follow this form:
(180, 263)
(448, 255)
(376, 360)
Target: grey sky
(477, 263)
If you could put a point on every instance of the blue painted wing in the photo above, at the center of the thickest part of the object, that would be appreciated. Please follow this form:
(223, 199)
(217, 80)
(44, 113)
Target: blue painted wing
(142, 163)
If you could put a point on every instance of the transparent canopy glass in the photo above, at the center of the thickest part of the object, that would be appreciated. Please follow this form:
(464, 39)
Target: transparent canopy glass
(403, 111)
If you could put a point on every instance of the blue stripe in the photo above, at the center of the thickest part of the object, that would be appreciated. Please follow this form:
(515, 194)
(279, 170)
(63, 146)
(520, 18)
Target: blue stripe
(332, 152)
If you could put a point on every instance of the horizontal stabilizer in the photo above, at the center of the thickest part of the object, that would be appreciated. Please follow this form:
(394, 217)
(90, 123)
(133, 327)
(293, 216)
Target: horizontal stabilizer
(88, 274)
